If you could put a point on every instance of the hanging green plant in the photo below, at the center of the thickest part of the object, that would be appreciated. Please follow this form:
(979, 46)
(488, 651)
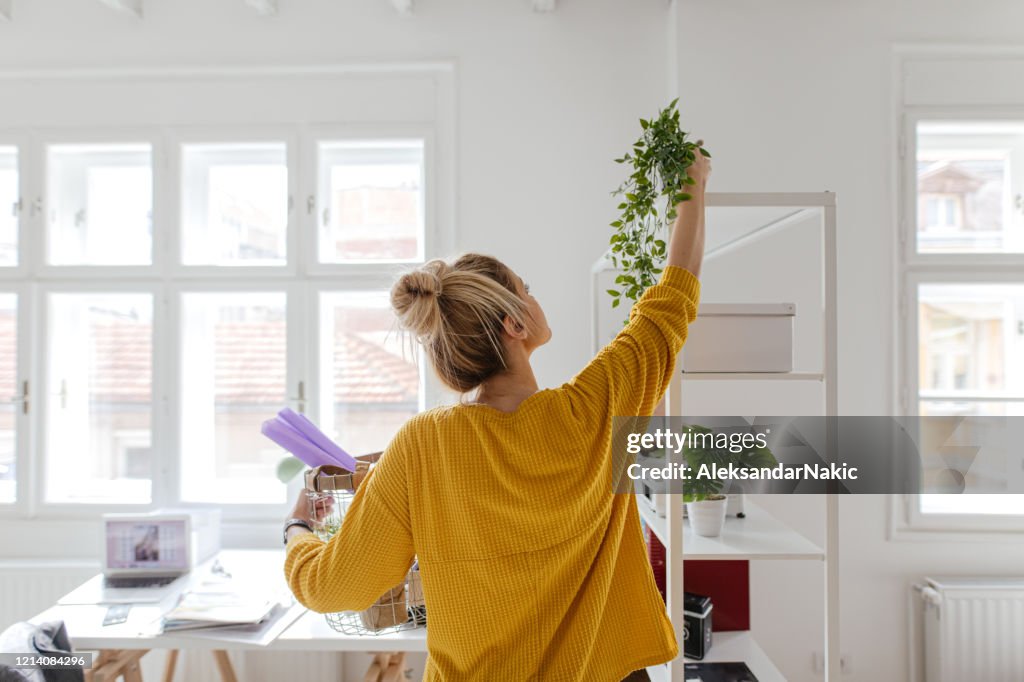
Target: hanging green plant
(659, 160)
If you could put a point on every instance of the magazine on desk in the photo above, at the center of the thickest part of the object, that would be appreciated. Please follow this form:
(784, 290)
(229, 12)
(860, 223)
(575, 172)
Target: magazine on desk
(205, 609)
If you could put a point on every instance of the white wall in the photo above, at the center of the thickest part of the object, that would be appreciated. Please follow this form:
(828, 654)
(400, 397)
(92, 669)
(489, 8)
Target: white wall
(795, 95)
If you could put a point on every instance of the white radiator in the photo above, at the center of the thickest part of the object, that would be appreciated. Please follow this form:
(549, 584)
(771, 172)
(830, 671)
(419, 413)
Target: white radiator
(26, 588)
(973, 629)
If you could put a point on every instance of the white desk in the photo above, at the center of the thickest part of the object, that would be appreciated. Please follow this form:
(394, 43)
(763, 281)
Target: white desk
(132, 639)
(312, 633)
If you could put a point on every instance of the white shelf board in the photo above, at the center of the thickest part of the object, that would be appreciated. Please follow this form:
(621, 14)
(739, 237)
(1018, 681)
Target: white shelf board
(728, 647)
(758, 536)
(752, 376)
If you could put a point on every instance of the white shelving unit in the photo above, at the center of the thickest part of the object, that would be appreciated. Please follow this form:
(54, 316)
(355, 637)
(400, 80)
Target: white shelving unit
(759, 536)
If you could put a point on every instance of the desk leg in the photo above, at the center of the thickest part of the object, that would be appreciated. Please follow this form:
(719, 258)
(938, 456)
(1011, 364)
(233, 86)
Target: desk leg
(227, 671)
(386, 668)
(396, 668)
(112, 663)
(170, 665)
(132, 670)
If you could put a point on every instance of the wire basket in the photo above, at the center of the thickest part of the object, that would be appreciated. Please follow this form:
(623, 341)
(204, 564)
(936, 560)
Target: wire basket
(331, 490)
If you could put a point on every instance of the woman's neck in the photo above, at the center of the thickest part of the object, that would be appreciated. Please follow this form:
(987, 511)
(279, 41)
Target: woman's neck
(507, 390)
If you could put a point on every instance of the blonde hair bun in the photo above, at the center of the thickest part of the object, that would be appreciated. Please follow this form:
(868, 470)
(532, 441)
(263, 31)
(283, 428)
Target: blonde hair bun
(415, 298)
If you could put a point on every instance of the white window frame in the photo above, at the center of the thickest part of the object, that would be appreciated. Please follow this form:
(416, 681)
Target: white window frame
(302, 279)
(432, 239)
(906, 521)
(45, 138)
(297, 368)
(44, 400)
(175, 140)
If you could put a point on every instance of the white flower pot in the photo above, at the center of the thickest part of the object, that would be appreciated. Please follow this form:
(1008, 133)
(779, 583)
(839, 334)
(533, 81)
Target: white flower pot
(707, 517)
(660, 505)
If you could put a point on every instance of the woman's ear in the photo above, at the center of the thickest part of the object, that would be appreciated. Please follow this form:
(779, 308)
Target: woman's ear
(514, 329)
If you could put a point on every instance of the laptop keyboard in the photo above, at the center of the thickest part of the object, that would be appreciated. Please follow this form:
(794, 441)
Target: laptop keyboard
(139, 581)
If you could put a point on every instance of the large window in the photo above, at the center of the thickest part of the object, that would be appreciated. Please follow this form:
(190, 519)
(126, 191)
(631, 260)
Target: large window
(964, 285)
(99, 421)
(183, 292)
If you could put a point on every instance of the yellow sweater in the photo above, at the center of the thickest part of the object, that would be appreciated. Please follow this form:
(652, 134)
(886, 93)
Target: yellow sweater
(532, 569)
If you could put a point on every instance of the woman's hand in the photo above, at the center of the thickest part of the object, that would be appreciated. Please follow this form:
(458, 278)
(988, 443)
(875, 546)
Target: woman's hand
(686, 245)
(307, 502)
(699, 170)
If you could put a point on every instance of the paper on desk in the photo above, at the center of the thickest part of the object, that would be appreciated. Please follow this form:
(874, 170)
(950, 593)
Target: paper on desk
(261, 636)
(258, 634)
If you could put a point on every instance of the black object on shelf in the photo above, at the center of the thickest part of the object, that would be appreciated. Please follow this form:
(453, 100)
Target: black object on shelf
(696, 625)
(719, 672)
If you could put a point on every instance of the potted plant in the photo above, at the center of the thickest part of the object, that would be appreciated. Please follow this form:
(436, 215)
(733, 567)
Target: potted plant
(659, 161)
(705, 502)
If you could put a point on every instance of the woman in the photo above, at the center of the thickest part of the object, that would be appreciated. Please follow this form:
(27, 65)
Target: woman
(532, 569)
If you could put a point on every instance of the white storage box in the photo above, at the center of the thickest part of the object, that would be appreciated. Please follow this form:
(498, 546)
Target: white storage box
(740, 337)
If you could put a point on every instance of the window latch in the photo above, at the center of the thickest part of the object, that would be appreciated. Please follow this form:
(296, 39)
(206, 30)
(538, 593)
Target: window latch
(300, 399)
(22, 399)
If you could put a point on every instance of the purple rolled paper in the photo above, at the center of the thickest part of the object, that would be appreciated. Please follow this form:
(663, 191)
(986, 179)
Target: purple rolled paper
(303, 425)
(293, 441)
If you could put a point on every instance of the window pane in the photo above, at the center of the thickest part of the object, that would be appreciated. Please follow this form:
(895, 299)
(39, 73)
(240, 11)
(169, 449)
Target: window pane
(9, 206)
(970, 191)
(235, 204)
(971, 340)
(100, 205)
(371, 201)
(371, 383)
(972, 504)
(99, 402)
(234, 360)
(8, 392)
(968, 408)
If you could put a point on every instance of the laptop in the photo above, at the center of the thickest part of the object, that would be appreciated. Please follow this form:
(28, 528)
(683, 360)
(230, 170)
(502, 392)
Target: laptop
(145, 557)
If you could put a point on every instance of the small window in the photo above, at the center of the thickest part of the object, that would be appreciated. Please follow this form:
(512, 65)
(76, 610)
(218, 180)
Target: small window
(10, 206)
(370, 380)
(371, 201)
(971, 343)
(969, 199)
(100, 204)
(100, 384)
(971, 355)
(234, 204)
(233, 377)
(9, 394)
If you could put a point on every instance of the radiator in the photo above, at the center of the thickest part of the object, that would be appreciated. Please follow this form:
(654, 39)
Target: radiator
(26, 588)
(973, 629)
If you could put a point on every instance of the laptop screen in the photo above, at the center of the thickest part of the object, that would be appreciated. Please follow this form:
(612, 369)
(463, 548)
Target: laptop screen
(139, 544)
